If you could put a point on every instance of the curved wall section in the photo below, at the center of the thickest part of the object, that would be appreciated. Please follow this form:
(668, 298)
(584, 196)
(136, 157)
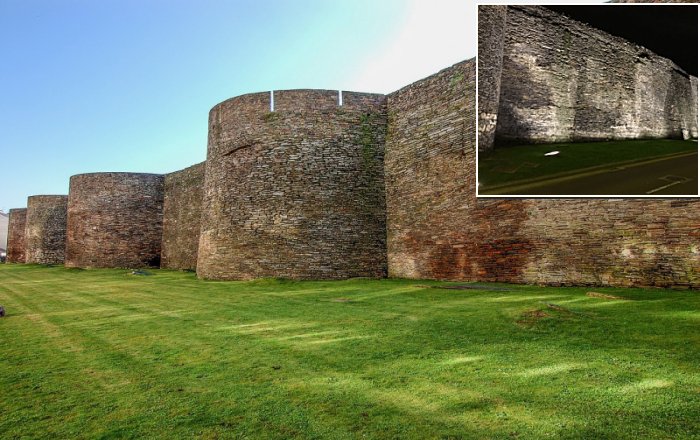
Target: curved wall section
(492, 20)
(46, 229)
(115, 220)
(16, 243)
(295, 193)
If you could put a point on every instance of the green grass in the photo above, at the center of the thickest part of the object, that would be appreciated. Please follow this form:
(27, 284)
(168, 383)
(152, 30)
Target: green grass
(106, 354)
(524, 162)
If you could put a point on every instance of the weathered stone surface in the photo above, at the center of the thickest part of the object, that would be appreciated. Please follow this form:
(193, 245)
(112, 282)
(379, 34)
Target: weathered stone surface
(45, 233)
(562, 80)
(694, 107)
(115, 220)
(430, 174)
(300, 193)
(182, 212)
(16, 243)
(492, 20)
(613, 242)
(295, 193)
(438, 229)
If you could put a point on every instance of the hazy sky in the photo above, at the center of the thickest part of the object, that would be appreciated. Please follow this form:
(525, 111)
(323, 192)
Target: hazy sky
(126, 85)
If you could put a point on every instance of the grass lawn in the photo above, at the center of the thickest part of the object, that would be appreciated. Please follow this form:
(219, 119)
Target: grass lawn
(524, 162)
(107, 354)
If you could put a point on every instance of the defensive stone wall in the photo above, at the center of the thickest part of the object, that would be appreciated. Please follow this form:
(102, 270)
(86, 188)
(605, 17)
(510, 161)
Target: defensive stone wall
(438, 229)
(182, 212)
(297, 192)
(492, 21)
(430, 174)
(386, 184)
(562, 80)
(16, 243)
(45, 233)
(694, 109)
(115, 220)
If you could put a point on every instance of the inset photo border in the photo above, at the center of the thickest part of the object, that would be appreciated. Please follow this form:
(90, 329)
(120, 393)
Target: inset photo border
(580, 100)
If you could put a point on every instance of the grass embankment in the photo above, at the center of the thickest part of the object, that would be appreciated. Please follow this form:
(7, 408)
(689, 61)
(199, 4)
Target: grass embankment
(106, 354)
(506, 165)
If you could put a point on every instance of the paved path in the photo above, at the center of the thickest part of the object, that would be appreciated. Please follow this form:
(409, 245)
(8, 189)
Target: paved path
(669, 176)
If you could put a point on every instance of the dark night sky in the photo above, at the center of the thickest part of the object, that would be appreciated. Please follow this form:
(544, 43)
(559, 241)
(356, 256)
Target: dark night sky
(670, 31)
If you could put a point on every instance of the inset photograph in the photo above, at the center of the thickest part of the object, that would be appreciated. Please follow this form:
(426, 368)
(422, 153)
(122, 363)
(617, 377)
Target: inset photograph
(587, 101)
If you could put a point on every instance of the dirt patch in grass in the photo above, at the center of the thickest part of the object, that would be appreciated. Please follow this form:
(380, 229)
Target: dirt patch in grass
(603, 296)
(341, 300)
(532, 317)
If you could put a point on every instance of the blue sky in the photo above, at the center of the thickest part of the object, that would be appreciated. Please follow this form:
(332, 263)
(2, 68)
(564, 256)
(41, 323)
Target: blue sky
(126, 85)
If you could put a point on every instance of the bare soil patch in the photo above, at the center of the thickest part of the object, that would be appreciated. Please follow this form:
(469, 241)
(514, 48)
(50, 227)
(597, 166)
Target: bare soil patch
(603, 296)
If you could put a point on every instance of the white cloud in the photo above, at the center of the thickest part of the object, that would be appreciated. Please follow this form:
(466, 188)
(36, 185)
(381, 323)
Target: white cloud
(434, 34)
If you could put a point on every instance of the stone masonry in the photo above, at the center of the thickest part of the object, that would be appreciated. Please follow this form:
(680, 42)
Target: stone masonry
(429, 177)
(115, 220)
(386, 184)
(438, 229)
(562, 80)
(492, 23)
(182, 212)
(297, 192)
(16, 244)
(45, 232)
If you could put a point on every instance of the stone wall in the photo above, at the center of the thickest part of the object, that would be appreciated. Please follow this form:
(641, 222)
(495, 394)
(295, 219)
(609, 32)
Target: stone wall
(438, 229)
(45, 233)
(115, 220)
(492, 20)
(563, 80)
(16, 243)
(694, 101)
(430, 174)
(298, 192)
(316, 190)
(182, 212)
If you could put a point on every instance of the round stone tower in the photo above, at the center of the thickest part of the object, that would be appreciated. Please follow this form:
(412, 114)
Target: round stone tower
(16, 239)
(295, 189)
(46, 229)
(114, 220)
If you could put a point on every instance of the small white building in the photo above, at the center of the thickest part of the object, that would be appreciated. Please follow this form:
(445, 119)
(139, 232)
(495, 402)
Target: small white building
(4, 220)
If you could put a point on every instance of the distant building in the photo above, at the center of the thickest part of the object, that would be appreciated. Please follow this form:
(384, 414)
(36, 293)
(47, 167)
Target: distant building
(4, 219)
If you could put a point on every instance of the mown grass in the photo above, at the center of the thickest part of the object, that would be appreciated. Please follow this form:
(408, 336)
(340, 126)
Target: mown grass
(105, 354)
(524, 162)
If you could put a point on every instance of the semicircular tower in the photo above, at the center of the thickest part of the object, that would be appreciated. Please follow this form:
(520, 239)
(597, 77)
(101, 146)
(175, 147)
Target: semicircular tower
(114, 220)
(45, 233)
(297, 192)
